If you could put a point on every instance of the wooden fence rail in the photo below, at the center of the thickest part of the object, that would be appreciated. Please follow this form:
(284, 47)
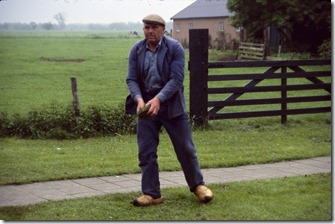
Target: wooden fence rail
(281, 93)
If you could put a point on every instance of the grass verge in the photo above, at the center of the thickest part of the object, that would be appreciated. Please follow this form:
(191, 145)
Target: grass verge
(223, 144)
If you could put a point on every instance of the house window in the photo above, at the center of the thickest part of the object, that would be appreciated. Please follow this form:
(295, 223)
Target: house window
(190, 26)
(221, 26)
(178, 27)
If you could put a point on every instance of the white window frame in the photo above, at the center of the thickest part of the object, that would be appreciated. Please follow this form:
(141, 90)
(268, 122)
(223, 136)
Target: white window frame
(221, 26)
(178, 27)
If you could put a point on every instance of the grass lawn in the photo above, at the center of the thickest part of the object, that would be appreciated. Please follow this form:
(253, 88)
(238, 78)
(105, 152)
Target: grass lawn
(294, 198)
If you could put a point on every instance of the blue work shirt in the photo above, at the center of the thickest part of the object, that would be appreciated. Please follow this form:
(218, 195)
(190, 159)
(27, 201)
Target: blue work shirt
(152, 79)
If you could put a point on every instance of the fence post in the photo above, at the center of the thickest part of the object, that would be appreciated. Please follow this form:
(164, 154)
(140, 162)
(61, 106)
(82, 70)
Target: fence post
(75, 98)
(284, 97)
(198, 67)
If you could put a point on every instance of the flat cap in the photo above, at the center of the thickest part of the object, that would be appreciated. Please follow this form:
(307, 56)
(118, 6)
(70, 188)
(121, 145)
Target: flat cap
(154, 19)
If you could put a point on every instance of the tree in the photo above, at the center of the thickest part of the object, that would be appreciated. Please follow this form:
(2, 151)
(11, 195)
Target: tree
(33, 25)
(304, 24)
(60, 17)
(47, 26)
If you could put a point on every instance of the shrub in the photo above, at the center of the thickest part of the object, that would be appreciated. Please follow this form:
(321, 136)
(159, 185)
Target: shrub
(325, 49)
(57, 122)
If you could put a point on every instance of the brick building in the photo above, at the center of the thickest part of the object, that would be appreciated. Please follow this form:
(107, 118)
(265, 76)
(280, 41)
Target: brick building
(206, 14)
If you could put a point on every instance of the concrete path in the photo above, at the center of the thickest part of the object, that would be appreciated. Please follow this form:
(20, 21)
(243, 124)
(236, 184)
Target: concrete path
(15, 195)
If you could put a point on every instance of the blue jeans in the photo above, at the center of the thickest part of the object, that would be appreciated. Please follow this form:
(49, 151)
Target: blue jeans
(179, 131)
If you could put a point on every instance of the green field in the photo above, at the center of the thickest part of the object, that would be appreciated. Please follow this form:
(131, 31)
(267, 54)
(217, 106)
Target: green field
(36, 70)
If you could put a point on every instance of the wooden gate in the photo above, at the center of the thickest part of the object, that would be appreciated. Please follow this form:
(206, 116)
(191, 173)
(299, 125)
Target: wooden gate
(251, 51)
(298, 91)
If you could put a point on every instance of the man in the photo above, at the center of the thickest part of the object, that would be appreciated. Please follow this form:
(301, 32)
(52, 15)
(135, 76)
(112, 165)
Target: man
(155, 81)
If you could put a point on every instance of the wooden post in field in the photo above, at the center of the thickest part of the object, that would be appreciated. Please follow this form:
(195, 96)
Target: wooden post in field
(75, 98)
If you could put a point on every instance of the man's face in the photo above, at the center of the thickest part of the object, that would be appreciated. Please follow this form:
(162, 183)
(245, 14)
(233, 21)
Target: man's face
(153, 32)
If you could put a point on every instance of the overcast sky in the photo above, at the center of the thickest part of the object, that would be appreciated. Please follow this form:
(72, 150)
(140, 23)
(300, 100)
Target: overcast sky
(88, 11)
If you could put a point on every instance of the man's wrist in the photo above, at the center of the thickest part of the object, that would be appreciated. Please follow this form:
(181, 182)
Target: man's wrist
(139, 100)
(162, 98)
